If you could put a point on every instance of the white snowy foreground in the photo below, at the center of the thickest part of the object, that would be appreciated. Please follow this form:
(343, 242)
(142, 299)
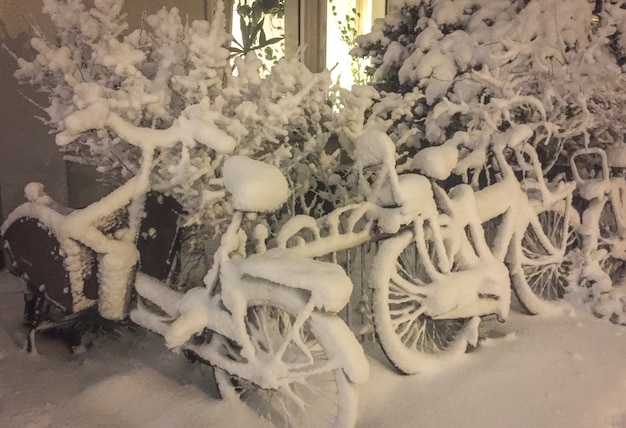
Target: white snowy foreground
(531, 372)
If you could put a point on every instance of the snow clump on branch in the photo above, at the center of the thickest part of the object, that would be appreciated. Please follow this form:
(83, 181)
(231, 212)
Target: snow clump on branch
(165, 74)
(477, 67)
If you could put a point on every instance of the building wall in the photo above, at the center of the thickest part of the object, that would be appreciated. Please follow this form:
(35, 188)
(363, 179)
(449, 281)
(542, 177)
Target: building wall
(27, 151)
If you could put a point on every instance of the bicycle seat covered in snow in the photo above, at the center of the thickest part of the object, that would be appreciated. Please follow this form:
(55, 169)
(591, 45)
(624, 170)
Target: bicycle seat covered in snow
(255, 186)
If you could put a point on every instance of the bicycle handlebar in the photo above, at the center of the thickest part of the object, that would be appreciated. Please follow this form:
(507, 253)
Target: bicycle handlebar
(187, 129)
(601, 153)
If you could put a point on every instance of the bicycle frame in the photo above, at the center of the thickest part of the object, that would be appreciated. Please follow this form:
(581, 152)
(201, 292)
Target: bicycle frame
(397, 203)
(534, 223)
(291, 298)
(598, 191)
(518, 202)
(221, 307)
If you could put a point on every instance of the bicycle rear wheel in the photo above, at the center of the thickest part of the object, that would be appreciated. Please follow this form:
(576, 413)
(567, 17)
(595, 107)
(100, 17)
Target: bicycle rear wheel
(611, 240)
(315, 392)
(411, 340)
(540, 259)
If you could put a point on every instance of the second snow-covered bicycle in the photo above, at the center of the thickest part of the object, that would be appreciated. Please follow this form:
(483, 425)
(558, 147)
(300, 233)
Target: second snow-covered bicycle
(446, 258)
(433, 276)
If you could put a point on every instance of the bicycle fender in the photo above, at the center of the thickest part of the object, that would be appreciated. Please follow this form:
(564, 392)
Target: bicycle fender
(51, 218)
(338, 334)
(328, 283)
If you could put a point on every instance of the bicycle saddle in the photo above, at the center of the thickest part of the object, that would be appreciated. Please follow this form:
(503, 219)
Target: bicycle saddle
(255, 186)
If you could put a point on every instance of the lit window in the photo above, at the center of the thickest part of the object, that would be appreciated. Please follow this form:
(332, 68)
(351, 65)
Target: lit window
(346, 20)
(259, 26)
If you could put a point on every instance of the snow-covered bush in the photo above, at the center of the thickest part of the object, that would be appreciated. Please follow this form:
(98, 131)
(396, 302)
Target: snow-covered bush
(166, 71)
(476, 67)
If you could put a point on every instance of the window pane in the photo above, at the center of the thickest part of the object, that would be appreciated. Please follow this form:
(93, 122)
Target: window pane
(346, 20)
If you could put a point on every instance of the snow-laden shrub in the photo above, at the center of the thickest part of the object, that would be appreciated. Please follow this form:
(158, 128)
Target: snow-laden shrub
(168, 70)
(477, 66)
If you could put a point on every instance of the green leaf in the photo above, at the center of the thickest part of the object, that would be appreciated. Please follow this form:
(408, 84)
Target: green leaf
(271, 41)
(256, 29)
(262, 37)
(244, 10)
(243, 25)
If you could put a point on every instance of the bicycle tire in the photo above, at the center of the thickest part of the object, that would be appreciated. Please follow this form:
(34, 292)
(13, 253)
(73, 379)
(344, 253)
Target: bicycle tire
(411, 343)
(328, 398)
(540, 275)
(610, 240)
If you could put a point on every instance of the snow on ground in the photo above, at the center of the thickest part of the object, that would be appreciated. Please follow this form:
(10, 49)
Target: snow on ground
(535, 372)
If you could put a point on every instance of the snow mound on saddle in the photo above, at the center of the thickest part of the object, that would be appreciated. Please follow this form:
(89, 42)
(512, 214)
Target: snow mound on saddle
(255, 186)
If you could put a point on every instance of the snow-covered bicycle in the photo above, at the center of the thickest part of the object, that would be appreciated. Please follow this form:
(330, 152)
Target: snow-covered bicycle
(435, 273)
(441, 265)
(603, 203)
(533, 225)
(267, 322)
(528, 225)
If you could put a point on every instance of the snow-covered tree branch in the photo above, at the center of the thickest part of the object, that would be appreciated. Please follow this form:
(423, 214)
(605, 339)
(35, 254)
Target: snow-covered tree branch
(560, 61)
(170, 78)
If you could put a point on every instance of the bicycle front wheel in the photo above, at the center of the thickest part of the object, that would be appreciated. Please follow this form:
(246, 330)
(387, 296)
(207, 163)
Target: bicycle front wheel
(314, 391)
(540, 259)
(411, 340)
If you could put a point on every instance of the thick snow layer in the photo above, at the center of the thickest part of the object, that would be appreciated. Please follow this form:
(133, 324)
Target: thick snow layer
(254, 185)
(330, 287)
(535, 372)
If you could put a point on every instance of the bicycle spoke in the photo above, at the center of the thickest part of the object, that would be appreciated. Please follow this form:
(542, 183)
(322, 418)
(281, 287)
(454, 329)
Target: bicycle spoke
(610, 239)
(312, 382)
(543, 256)
(408, 336)
(406, 286)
